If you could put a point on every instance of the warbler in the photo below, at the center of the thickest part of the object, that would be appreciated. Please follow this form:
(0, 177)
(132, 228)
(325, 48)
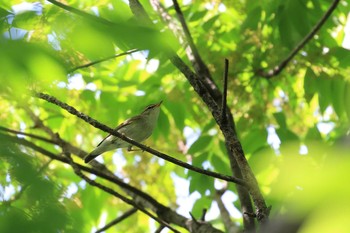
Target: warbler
(138, 128)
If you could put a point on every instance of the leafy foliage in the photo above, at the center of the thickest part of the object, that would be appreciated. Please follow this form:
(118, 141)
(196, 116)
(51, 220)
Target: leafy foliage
(299, 164)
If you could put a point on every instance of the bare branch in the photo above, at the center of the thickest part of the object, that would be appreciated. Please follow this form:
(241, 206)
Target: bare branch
(27, 134)
(103, 59)
(116, 194)
(105, 128)
(117, 220)
(224, 94)
(225, 215)
(101, 171)
(276, 70)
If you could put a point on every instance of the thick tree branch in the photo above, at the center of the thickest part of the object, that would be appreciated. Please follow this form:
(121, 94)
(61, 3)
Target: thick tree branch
(202, 90)
(166, 18)
(105, 128)
(164, 212)
(78, 172)
(233, 144)
(208, 91)
(197, 61)
(276, 70)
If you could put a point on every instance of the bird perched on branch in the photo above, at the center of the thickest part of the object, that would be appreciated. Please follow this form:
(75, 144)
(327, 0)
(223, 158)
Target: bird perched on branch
(138, 128)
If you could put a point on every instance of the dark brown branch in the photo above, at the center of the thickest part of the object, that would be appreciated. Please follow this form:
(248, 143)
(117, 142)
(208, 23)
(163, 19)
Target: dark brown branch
(96, 172)
(197, 62)
(246, 204)
(27, 134)
(103, 59)
(275, 71)
(77, 169)
(204, 212)
(101, 171)
(118, 219)
(224, 94)
(78, 172)
(107, 129)
(232, 142)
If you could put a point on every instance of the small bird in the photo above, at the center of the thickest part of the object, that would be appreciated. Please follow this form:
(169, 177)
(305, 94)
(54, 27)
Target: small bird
(138, 128)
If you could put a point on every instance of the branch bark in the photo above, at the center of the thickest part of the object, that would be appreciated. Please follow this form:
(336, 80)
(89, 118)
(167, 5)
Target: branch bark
(243, 194)
(140, 198)
(107, 129)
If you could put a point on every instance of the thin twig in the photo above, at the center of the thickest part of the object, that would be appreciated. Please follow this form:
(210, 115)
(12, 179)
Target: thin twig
(224, 94)
(103, 59)
(224, 214)
(107, 129)
(27, 134)
(204, 212)
(275, 71)
(118, 219)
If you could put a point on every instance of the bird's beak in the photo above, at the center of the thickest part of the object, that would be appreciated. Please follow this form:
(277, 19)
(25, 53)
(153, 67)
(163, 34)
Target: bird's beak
(159, 103)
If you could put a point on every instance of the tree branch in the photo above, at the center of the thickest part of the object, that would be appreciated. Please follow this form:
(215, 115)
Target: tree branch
(225, 215)
(276, 70)
(27, 134)
(197, 60)
(224, 94)
(116, 194)
(103, 59)
(167, 214)
(117, 220)
(233, 144)
(107, 129)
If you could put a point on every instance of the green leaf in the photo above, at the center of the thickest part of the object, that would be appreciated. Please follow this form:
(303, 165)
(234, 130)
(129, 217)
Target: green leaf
(310, 84)
(208, 25)
(197, 182)
(201, 204)
(198, 15)
(281, 119)
(221, 164)
(347, 99)
(337, 95)
(254, 140)
(286, 135)
(201, 144)
(324, 86)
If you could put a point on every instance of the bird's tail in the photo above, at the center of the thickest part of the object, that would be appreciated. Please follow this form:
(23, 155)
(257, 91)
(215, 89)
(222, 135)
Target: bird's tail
(93, 154)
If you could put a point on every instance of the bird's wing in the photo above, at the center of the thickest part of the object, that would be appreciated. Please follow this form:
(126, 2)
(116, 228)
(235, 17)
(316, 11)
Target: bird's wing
(125, 123)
